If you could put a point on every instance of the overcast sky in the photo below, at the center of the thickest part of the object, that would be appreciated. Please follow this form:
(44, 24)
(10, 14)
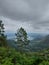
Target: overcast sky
(32, 15)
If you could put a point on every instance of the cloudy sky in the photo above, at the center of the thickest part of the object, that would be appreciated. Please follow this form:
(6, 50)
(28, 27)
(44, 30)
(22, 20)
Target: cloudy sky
(32, 15)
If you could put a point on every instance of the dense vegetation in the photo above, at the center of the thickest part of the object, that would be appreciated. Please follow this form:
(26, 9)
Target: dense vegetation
(9, 56)
(12, 56)
(3, 40)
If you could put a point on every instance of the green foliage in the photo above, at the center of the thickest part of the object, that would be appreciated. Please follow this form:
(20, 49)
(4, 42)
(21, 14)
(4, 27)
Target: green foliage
(9, 56)
(3, 41)
(21, 38)
(44, 63)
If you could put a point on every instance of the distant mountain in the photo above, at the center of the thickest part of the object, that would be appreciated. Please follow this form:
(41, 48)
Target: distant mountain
(40, 44)
(34, 36)
(34, 45)
(44, 43)
(31, 36)
(37, 41)
(10, 35)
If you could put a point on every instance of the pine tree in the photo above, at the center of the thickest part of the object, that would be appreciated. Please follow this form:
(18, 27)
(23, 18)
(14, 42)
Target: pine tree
(21, 38)
(3, 41)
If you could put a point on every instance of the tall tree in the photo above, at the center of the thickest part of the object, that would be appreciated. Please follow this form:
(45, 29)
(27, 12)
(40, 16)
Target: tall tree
(3, 41)
(21, 38)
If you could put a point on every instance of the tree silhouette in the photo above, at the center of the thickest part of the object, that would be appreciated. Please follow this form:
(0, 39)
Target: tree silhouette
(21, 38)
(3, 41)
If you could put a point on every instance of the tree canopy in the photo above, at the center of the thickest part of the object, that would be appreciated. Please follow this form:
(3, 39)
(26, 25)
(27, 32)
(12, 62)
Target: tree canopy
(3, 41)
(21, 37)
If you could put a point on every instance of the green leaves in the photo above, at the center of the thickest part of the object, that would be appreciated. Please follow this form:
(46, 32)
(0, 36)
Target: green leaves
(21, 38)
(3, 41)
(9, 56)
(44, 63)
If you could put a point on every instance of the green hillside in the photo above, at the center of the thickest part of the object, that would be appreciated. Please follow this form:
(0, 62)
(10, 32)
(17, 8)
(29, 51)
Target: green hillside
(9, 56)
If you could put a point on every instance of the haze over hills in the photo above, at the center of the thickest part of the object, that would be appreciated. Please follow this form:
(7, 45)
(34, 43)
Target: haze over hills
(40, 44)
(37, 41)
(31, 36)
(44, 43)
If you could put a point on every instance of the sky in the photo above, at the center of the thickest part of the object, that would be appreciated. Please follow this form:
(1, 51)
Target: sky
(32, 15)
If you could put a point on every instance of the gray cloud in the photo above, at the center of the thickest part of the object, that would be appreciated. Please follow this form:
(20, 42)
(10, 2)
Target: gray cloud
(23, 9)
(34, 11)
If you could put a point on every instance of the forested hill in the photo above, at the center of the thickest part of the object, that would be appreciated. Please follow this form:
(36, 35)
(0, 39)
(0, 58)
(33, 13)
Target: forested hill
(22, 51)
(35, 45)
